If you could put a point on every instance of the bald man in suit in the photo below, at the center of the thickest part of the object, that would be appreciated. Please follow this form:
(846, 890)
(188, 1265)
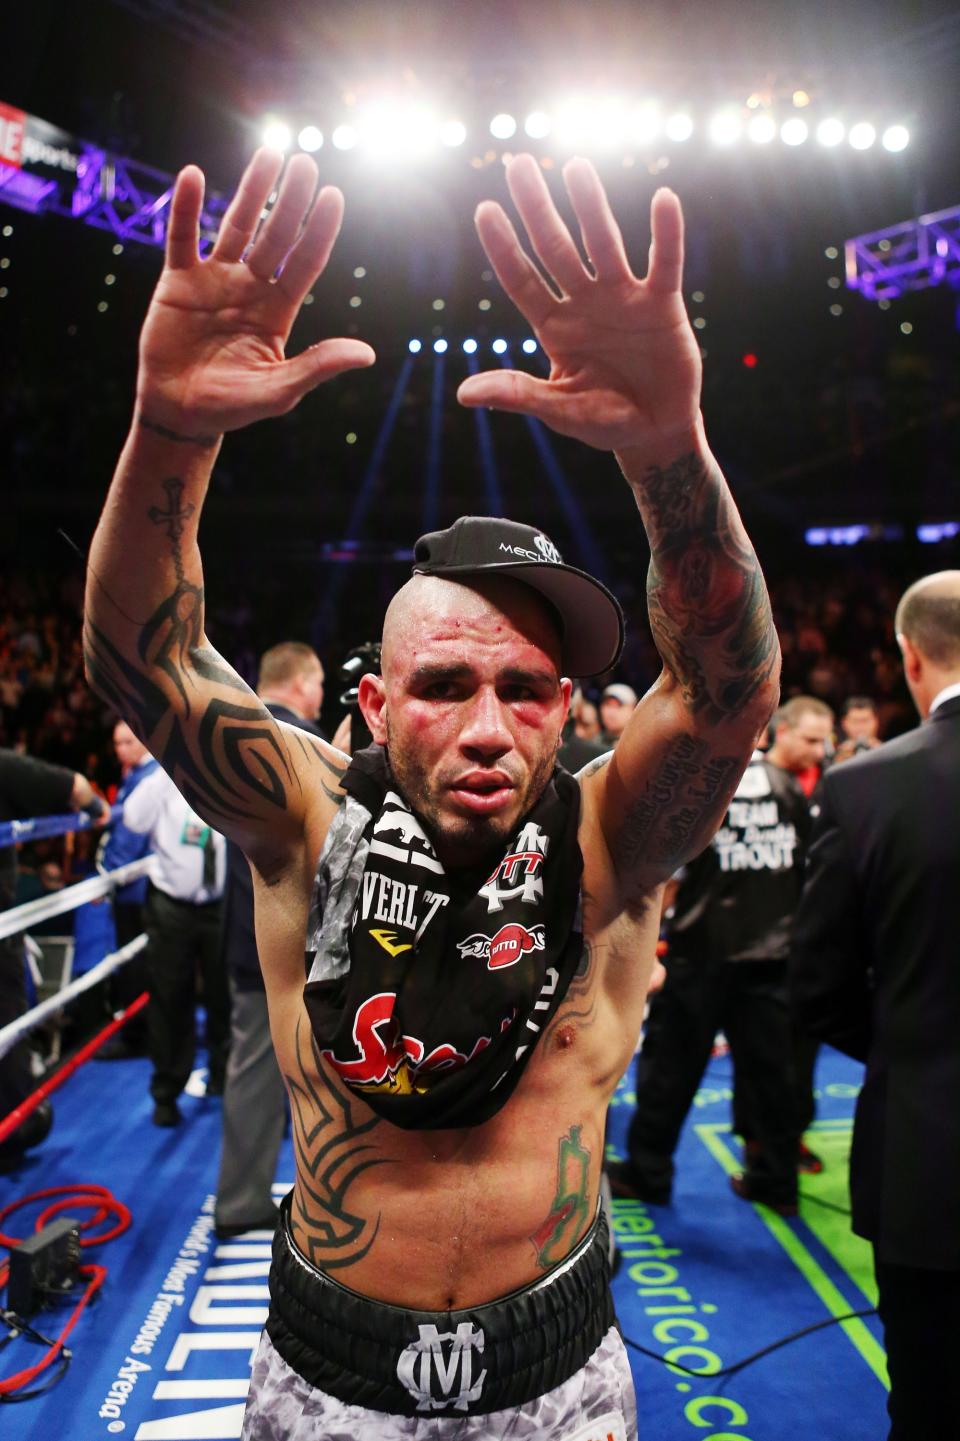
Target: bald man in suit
(876, 971)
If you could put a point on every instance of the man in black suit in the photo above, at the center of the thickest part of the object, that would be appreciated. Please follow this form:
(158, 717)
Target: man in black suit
(254, 1100)
(876, 971)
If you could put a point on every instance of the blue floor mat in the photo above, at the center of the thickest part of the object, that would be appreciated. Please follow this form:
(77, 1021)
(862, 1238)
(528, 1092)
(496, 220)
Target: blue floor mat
(165, 1352)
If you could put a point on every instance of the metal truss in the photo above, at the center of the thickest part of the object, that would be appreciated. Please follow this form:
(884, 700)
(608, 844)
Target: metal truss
(111, 193)
(911, 256)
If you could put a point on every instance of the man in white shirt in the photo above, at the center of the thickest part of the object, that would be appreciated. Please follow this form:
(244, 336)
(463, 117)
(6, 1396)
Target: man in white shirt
(183, 927)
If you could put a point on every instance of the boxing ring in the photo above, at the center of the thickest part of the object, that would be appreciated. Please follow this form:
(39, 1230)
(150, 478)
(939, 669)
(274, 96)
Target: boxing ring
(154, 1340)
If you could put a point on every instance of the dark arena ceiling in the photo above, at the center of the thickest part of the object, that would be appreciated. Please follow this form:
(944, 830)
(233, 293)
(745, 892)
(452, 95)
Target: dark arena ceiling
(826, 408)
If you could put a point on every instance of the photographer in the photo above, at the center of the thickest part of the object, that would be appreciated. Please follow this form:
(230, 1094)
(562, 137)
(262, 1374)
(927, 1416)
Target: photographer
(353, 733)
(860, 725)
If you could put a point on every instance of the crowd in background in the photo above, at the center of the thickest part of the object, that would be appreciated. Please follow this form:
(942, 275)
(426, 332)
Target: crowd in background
(836, 632)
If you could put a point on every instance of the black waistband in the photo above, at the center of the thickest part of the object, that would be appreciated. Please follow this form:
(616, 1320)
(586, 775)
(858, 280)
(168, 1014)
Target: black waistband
(457, 1363)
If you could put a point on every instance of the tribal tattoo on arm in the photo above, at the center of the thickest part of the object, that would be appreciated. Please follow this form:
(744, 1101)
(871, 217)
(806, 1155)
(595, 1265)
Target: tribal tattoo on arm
(332, 1151)
(708, 604)
(227, 755)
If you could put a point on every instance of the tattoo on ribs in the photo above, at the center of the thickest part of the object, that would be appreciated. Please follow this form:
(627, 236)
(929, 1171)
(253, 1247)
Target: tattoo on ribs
(332, 1151)
(568, 1215)
(708, 604)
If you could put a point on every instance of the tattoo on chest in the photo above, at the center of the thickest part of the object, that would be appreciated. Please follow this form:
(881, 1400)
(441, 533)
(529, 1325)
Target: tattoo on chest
(568, 1215)
(332, 1150)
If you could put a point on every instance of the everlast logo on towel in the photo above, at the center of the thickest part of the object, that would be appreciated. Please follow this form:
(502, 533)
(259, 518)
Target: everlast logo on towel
(439, 1361)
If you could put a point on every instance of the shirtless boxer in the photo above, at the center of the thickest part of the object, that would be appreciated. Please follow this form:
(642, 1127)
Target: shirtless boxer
(479, 926)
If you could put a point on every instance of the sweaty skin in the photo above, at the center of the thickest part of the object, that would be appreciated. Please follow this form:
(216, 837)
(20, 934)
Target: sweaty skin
(445, 1219)
(471, 704)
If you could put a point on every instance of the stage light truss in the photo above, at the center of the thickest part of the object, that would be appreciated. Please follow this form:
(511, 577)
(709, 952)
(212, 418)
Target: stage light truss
(45, 170)
(913, 255)
(393, 132)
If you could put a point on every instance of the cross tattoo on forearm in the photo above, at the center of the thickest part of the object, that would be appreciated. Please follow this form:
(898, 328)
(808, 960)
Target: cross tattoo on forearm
(173, 519)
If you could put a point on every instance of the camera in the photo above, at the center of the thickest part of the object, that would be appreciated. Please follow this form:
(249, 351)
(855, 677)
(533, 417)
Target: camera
(362, 660)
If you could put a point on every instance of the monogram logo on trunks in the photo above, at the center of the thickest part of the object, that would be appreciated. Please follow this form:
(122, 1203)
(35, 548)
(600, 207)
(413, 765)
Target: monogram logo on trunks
(437, 1362)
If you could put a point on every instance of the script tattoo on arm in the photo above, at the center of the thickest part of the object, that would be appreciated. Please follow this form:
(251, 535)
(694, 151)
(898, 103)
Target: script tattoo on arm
(709, 610)
(569, 1212)
(227, 755)
(676, 813)
(332, 1151)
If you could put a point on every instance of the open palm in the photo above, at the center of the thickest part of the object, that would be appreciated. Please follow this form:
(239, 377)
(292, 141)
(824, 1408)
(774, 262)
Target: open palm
(212, 349)
(624, 363)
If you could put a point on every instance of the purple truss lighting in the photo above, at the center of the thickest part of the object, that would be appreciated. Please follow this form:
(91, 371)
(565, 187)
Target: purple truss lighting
(910, 256)
(26, 192)
(133, 200)
(60, 175)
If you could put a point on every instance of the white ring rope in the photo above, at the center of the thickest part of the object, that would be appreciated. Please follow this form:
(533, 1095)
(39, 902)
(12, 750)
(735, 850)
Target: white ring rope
(16, 1030)
(21, 918)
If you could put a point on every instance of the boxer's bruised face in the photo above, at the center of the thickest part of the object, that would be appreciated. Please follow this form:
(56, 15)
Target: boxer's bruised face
(471, 706)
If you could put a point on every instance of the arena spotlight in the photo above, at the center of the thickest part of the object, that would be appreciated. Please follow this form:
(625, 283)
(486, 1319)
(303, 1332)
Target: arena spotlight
(344, 137)
(761, 129)
(830, 131)
(393, 132)
(607, 124)
(276, 135)
(503, 126)
(678, 127)
(572, 128)
(453, 133)
(725, 127)
(470, 346)
(440, 346)
(794, 131)
(862, 135)
(499, 347)
(529, 346)
(310, 138)
(537, 124)
(644, 124)
(414, 346)
(895, 137)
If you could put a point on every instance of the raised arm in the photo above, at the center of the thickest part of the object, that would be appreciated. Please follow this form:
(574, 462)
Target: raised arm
(211, 360)
(625, 376)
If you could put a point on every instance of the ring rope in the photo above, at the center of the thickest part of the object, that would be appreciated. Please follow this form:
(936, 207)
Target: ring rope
(23, 1025)
(63, 1073)
(42, 828)
(21, 918)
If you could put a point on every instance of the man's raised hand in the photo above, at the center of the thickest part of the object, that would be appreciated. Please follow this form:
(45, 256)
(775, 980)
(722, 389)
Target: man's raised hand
(212, 346)
(624, 363)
